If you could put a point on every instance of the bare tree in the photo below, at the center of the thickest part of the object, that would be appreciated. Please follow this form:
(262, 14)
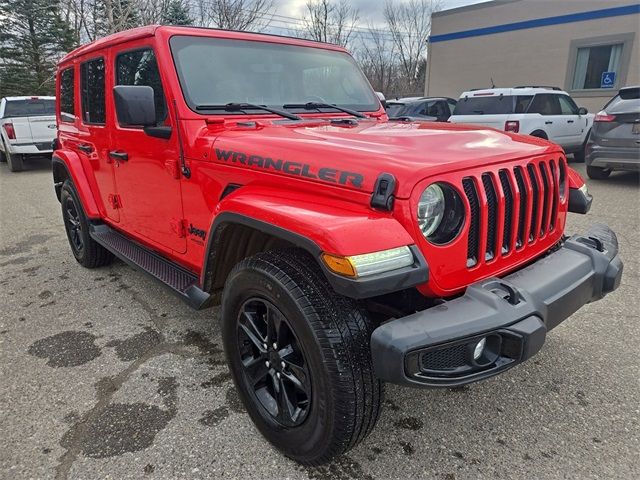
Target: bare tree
(377, 58)
(254, 15)
(409, 24)
(328, 21)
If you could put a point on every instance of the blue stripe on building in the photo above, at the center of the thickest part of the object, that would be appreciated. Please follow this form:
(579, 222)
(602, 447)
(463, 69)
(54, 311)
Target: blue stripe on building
(539, 22)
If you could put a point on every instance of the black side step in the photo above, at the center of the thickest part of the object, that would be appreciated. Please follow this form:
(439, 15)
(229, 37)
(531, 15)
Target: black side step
(180, 281)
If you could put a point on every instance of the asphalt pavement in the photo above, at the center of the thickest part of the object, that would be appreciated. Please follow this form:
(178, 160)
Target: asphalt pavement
(103, 374)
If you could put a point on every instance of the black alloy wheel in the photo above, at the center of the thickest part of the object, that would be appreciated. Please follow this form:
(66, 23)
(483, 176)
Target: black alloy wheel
(72, 218)
(275, 367)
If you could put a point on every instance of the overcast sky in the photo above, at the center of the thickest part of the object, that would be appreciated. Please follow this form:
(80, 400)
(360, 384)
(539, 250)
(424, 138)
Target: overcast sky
(370, 10)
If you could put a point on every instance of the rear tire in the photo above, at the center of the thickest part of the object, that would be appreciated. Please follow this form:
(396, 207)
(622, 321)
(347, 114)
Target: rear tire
(598, 173)
(336, 399)
(15, 162)
(86, 251)
(3, 155)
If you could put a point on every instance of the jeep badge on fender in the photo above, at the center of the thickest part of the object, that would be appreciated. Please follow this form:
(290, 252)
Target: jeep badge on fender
(344, 250)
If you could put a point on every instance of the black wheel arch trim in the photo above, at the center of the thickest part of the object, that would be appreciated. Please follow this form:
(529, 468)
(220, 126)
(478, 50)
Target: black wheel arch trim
(379, 284)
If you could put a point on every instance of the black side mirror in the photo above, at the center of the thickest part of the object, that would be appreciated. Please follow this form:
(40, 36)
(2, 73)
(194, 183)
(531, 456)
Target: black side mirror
(582, 111)
(135, 105)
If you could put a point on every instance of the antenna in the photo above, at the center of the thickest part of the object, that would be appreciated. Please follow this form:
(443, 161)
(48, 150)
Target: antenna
(493, 85)
(186, 172)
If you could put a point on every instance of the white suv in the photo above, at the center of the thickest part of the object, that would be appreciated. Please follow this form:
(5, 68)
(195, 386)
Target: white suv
(545, 112)
(27, 128)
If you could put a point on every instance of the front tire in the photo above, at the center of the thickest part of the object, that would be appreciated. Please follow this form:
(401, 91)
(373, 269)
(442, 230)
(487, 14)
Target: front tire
(299, 354)
(85, 249)
(598, 173)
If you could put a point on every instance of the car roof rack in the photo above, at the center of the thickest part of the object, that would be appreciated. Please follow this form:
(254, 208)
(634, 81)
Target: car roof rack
(538, 86)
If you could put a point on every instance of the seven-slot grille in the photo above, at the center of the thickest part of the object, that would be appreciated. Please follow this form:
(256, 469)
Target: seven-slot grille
(531, 195)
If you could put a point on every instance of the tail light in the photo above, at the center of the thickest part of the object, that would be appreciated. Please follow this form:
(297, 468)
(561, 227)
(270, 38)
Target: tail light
(11, 133)
(604, 117)
(512, 126)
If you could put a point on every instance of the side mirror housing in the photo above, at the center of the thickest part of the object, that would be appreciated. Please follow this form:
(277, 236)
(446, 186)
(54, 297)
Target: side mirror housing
(382, 99)
(582, 111)
(135, 105)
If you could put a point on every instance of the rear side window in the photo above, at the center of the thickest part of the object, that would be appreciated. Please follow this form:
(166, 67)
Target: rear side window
(494, 105)
(67, 100)
(545, 104)
(92, 78)
(139, 67)
(522, 103)
(29, 107)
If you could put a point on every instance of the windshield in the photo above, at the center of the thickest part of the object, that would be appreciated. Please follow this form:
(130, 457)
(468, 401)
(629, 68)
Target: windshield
(215, 71)
(29, 107)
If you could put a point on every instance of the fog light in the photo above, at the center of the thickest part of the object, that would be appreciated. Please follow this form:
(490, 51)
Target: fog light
(479, 348)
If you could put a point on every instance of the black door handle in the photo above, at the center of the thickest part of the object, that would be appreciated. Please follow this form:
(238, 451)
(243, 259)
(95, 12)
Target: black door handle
(548, 122)
(117, 155)
(569, 121)
(86, 148)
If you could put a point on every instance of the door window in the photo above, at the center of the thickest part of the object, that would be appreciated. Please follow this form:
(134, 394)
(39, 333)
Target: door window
(92, 78)
(67, 100)
(139, 67)
(567, 105)
(545, 104)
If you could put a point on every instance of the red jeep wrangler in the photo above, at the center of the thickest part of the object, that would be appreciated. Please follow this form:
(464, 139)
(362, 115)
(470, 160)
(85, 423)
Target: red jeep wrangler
(261, 173)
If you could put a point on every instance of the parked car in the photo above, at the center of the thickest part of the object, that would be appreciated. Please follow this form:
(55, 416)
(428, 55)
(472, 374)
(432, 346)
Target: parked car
(27, 128)
(345, 252)
(544, 112)
(437, 109)
(614, 143)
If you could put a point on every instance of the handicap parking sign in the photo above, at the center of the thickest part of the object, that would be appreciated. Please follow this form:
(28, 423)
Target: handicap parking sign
(608, 79)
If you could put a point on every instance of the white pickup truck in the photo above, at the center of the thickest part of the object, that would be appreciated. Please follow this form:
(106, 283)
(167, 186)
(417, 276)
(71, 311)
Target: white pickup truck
(27, 128)
(545, 112)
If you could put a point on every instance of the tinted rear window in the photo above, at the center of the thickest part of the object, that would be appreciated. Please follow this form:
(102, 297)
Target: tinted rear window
(30, 107)
(630, 94)
(494, 105)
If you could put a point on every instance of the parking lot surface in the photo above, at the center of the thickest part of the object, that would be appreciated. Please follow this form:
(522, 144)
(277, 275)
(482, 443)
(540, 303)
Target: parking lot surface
(104, 374)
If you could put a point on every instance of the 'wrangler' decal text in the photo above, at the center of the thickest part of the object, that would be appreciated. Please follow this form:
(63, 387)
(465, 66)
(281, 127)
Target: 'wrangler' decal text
(332, 175)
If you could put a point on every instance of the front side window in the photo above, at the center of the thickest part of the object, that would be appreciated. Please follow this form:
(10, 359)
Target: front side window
(29, 107)
(593, 62)
(215, 71)
(545, 104)
(139, 67)
(92, 78)
(67, 100)
(567, 105)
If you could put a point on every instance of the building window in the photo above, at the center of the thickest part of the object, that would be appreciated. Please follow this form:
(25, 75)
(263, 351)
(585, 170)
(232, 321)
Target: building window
(92, 78)
(67, 101)
(592, 62)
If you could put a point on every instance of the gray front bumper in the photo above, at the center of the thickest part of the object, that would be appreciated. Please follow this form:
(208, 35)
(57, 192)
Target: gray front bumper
(434, 347)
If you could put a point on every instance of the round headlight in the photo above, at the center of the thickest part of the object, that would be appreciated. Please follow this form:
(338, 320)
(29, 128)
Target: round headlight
(440, 213)
(430, 209)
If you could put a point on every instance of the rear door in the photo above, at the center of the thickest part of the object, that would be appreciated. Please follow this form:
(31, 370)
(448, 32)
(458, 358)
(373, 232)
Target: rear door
(553, 123)
(92, 140)
(149, 178)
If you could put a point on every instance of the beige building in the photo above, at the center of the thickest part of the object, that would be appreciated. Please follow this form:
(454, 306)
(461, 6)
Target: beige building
(589, 48)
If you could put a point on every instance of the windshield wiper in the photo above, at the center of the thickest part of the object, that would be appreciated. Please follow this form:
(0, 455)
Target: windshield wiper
(241, 107)
(319, 105)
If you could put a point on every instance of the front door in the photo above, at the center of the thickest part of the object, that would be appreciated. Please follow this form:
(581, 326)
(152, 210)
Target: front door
(574, 122)
(146, 168)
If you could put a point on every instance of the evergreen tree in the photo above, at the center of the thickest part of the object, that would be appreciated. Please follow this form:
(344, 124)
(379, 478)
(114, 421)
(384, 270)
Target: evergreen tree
(33, 36)
(177, 13)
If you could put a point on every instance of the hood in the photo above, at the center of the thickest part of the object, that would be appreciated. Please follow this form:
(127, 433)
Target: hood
(353, 156)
